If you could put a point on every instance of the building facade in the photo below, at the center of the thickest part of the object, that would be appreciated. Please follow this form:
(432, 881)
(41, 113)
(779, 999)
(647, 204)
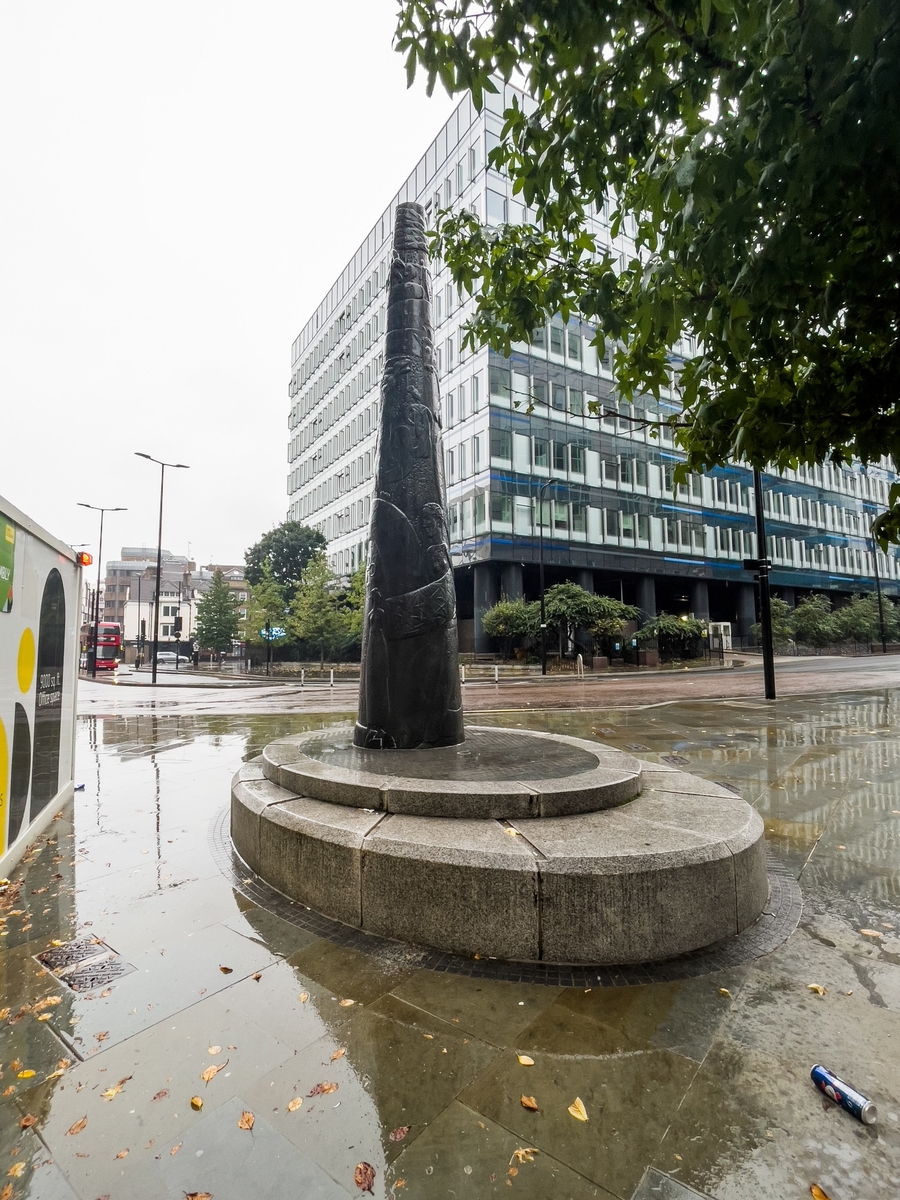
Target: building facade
(126, 576)
(542, 459)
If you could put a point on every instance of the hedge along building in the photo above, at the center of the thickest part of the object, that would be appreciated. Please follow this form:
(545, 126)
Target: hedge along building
(613, 520)
(40, 587)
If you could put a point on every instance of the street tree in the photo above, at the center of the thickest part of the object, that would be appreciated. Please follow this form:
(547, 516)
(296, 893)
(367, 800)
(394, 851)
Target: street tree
(750, 148)
(782, 623)
(510, 621)
(676, 637)
(860, 620)
(813, 622)
(570, 607)
(266, 602)
(317, 616)
(218, 620)
(287, 548)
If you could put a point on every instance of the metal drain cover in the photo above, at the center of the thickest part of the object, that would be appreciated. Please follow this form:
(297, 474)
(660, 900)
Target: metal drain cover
(82, 966)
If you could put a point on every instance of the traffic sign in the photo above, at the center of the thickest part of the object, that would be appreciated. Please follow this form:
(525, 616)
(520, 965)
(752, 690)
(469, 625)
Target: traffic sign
(272, 632)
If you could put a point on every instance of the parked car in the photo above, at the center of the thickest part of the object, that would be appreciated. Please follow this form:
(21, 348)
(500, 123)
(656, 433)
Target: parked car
(169, 656)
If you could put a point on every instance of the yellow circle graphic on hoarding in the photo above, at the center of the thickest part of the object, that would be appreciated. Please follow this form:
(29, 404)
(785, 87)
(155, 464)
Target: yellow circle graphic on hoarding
(26, 660)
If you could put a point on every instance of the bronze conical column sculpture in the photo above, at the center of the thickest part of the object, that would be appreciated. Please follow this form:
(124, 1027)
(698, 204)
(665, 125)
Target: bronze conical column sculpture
(409, 694)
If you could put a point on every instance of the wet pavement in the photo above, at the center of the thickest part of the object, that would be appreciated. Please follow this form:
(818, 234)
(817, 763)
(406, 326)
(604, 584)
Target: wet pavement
(803, 676)
(695, 1086)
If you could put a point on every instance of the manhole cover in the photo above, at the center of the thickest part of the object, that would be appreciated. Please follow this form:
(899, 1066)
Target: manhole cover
(86, 978)
(83, 966)
(676, 760)
(636, 746)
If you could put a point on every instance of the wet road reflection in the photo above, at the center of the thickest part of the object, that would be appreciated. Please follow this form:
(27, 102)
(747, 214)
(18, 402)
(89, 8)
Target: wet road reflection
(345, 1058)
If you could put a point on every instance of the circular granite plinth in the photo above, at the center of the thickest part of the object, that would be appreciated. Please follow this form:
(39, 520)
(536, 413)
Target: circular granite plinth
(499, 773)
(677, 868)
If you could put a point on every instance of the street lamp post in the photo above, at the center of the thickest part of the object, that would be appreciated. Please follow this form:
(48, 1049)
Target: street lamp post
(101, 511)
(162, 483)
(540, 508)
(765, 602)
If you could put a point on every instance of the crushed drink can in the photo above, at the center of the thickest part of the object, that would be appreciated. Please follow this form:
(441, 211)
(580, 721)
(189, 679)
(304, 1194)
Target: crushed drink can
(842, 1093)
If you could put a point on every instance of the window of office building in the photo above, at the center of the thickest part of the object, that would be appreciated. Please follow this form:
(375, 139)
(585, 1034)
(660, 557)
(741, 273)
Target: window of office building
(557, 339)
(574, 344)
(579, 518)
(539, 337)
(500, 382)
(577, 457)
(541, 453)
(610, 470)
(539, 388)
(576, 402)
(559, 397)
(559, 457)
(501, 508)
(560, 517)
(501, 444)
(479, 512)
(496, 208)
(612, 523)
(449, 408)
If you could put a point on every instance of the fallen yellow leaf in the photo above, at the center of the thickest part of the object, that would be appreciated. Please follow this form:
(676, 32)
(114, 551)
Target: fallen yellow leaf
(214, 1050)
(303, 997)
(524, 1154)
(122, 1154)
(725, 992)
(817, 988)
(817, 1193)
(339, 1053)
(525, 1060)
(871, 933)
(347, 1003)
(16, 1170)
(294, 1104)
(428, 1037)
(577, 1110)
(6, 1193)
(226, 970)
(25, 1075)
(27, 1121)
(246, 1120)
(176, 1147)
(76, 1128)
(530, 1103)
(196, 1103)
(212, 1071)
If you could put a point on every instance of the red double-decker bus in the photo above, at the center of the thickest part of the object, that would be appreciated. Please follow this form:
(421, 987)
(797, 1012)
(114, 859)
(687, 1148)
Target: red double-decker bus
(109, 645)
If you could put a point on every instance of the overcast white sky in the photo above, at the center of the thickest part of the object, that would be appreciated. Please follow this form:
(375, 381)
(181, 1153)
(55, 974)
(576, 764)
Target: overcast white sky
(181, 183)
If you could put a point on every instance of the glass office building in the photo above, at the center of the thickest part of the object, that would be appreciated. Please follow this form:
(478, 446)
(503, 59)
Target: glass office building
(612, 519)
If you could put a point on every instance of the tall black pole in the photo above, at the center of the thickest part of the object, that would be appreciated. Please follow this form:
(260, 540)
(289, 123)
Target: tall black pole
(97, 600)
(878, 591)
(162, 484)
(765, 602)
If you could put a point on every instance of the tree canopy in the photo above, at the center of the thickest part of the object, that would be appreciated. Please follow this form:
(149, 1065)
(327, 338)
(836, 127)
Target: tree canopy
(750, 147)
(267, 603)
(217, 616)
(318, 616)
(287, 548)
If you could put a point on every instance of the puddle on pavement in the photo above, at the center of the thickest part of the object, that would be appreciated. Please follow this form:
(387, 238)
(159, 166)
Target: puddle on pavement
(700, 1083)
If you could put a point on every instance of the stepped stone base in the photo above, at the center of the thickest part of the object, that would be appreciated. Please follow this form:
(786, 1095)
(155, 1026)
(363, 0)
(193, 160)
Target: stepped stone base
(679, 866)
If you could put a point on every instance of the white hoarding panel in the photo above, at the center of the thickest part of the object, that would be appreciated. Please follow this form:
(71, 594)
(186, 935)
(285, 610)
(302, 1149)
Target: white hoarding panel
(40, 585)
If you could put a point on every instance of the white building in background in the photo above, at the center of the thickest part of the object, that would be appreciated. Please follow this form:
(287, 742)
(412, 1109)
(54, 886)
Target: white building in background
(615, 523)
